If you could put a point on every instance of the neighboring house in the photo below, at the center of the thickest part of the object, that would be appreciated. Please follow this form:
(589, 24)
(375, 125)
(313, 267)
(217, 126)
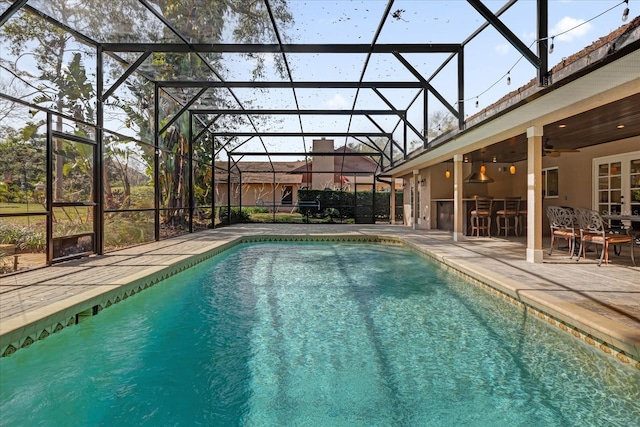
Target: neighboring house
(277, 183)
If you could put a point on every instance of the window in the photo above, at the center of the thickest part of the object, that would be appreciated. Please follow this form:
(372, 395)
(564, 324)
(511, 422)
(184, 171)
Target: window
(550, 183)
(287, 195)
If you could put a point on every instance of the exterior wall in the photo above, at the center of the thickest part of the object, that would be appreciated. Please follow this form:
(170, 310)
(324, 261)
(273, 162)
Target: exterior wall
(322, 163)
(252, 192)
(575, 178)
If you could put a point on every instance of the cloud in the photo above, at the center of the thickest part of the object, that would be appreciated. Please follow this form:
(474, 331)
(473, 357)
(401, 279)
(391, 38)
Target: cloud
(336, 103)
(566, 24)
(502, 49)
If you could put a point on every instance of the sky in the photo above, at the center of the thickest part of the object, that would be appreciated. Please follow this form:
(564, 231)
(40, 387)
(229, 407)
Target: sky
(488, 57)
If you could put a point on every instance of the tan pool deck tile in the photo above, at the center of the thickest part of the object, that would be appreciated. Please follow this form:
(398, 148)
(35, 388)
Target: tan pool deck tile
(602, 301)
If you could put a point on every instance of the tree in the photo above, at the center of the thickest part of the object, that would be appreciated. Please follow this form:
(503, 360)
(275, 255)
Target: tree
(62, 84)
(22, 162)
(440, 122)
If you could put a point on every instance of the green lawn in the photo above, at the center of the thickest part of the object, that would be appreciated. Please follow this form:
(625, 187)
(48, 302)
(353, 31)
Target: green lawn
(19, 208)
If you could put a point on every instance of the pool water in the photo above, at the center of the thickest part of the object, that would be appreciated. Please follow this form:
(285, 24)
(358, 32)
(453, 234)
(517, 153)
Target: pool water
(317, 334)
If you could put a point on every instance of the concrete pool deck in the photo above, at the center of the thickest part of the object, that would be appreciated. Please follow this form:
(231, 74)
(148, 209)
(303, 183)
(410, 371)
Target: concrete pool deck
(598, 305)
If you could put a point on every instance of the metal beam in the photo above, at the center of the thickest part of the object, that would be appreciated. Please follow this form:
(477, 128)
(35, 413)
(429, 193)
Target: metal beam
(543, 52)
(290, 153)
(182, 110)
(59, 24)
(301, 112)
(13, 8)
(425, 83)
(505, 31)
(125, 75)
(206, 128)
(473, 35)
(285, 48)
(461, 89)
(289, 85)
(299, 134)
(404, 119)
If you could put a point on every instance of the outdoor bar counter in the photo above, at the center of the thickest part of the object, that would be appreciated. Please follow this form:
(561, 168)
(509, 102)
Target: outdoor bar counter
(444, 212)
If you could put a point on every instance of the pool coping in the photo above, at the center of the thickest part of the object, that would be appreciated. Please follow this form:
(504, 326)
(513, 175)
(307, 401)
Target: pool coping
(617, 341)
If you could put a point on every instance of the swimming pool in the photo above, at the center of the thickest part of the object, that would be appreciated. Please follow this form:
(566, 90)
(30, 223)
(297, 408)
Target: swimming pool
(314, 334)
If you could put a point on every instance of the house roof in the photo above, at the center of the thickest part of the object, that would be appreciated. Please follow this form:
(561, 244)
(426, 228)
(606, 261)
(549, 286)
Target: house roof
(263, 172)
(346, 164)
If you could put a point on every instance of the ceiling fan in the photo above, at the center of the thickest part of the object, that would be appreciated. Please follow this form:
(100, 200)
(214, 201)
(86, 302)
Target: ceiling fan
(548, 150)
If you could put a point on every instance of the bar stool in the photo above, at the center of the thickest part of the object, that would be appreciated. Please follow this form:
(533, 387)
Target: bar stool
(510, 211)
(481, 216)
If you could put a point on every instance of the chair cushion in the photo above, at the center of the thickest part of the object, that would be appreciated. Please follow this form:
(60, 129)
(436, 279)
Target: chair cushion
(503, 212)
(479, 212)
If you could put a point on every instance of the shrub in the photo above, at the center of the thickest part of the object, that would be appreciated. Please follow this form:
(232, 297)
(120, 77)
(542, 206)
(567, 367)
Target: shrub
(237, 215)
(24, 238)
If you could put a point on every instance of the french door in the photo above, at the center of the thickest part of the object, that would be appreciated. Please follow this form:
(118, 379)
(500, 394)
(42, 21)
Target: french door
(617, 184)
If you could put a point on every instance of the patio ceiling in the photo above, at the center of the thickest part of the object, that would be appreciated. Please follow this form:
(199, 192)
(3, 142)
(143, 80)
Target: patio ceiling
(388, 77)
(596, 126)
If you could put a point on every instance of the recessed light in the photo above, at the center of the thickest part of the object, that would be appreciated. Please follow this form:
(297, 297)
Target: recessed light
(562, 126)
(620, 126)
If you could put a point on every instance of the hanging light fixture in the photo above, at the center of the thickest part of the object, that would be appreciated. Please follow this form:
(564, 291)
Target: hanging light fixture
(494, 159)
(477, 103)
(483, 169)
(447, 174)
(551, 47)
(508, 77)
(512, 169)
(625, 14)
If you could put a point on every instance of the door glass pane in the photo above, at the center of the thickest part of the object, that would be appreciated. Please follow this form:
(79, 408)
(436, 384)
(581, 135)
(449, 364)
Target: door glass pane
(635, 166)
(615, 169)
(603, 197)
(603, 170)
(603, 183)
(615, 196)
(616, 182)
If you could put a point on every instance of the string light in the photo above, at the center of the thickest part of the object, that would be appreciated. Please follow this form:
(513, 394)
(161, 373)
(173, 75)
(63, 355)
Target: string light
(512, 169)
(447, 174)
(625, 15)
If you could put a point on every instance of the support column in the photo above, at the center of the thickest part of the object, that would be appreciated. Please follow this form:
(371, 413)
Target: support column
(392, 214)
(458, 208)
(534, 194)
(416, 201)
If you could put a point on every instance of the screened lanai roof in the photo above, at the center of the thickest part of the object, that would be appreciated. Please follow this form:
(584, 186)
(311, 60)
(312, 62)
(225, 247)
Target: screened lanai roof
(264, 78)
